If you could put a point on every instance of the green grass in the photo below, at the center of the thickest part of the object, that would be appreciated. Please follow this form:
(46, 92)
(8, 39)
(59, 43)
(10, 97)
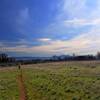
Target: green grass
(8, 85)
(76, 81)
(54, 81)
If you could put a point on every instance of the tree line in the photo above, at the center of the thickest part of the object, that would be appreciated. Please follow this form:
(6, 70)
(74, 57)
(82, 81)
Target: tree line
(5, 58)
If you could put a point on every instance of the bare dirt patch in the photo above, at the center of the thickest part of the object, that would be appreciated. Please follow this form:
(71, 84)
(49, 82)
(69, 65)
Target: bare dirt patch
(22, 90)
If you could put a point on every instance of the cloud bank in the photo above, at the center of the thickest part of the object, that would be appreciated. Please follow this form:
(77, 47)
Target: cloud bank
(72, 27)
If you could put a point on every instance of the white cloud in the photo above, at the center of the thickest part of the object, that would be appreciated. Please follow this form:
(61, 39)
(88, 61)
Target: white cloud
(79, 9)
(85, 43)
(60, 27)
(44, 39)
(23, 16)
(72, 9)
(82, 22)
(73, 13)
(24, 22)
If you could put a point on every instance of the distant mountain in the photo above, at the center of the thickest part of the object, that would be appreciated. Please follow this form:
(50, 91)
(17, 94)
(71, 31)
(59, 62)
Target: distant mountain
(32, 58)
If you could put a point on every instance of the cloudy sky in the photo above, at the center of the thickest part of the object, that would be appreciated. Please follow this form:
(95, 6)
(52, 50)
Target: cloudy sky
(48, 27)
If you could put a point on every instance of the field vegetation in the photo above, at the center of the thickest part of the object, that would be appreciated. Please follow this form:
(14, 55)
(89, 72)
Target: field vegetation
(53, 81)
(8, 84)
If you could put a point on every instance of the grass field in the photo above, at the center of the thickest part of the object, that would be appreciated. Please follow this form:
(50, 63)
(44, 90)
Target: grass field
(53, 81)
(8, 84)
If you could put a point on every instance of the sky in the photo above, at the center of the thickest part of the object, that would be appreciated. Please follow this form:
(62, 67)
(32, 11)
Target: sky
(49, 27)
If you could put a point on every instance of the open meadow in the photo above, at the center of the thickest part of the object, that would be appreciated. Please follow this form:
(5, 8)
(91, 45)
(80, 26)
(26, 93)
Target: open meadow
(53, 81)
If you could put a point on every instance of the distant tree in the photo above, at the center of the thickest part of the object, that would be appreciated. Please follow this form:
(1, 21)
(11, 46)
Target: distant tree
(3, 57)
(74, 54)
(98, 55)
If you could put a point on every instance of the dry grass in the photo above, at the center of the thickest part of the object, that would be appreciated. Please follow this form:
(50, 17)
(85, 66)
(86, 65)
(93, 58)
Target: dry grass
(53, 81)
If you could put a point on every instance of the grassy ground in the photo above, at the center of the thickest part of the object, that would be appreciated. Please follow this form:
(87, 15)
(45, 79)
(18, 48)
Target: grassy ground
(54, 81)
(8, 84)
